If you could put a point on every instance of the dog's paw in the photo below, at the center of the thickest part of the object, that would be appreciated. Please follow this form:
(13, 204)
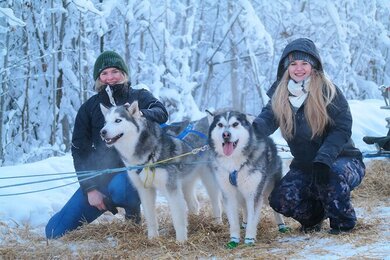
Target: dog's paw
(249, 241)
(283, 228)
(233, 243)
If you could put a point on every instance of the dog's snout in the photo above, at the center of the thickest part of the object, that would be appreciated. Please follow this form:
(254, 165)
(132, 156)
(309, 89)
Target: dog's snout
(103, 132)
(226, 135)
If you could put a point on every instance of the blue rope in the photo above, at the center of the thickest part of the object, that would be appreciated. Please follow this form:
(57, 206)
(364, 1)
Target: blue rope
(37, 175)
(85, 174)
(81, 173)
(46, 189)
(40, 181)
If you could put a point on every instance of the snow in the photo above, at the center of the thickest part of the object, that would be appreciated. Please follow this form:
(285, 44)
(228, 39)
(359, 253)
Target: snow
(85, 6)
(11, 18)
(35, 209)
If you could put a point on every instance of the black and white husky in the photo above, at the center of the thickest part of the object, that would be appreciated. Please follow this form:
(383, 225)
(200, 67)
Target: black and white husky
(246, 168)
(142, 142)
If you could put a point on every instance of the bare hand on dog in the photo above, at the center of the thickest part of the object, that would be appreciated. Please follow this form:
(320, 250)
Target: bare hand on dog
(95, 198)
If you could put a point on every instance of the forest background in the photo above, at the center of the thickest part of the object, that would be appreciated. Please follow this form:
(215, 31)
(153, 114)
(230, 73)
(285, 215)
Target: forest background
(192, 54)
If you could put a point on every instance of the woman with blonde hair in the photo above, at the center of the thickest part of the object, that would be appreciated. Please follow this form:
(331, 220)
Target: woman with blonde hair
(314, 118)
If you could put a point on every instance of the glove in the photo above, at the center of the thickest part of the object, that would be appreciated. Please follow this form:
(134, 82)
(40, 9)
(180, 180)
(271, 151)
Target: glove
(110, 205)
(320, 173)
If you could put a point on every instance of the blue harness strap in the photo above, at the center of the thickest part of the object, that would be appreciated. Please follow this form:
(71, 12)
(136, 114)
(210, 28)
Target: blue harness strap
(186, 131)
(189, 129)
(163, 125)
(233, 178)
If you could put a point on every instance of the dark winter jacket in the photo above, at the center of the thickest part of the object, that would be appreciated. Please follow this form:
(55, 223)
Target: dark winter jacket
(88, 149)
(335, 142)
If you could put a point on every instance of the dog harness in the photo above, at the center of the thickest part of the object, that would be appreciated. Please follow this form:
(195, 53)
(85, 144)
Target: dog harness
(233, 178)
(189, 129)
(150, 158)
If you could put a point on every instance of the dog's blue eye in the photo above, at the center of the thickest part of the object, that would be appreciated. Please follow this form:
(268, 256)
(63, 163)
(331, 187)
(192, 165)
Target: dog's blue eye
(220, 125)
(235, 124)
(118, 120)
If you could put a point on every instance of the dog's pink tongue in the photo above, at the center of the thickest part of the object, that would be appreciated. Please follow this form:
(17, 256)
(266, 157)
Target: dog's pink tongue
(228, 148)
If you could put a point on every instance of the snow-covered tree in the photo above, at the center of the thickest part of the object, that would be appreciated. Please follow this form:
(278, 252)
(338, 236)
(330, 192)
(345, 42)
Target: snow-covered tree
(192, 54)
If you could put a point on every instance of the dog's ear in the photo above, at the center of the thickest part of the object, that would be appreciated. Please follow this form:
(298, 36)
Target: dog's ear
(250, 118)
(132, 109)
(104, 109)
(210, 116)
(126, 105)
(209, 112)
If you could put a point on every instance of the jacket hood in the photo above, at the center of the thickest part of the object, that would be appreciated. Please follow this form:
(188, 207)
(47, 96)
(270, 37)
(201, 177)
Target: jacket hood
(302, 44)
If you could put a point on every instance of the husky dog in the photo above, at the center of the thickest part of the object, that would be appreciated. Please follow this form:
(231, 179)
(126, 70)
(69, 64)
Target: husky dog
(246, 168)
(142, 142)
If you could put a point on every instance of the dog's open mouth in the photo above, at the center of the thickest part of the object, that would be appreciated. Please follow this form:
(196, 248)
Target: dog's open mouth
(110, 141)
(228, 147)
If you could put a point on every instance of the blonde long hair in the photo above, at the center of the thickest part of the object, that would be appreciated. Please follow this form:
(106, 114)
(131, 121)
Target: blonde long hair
(100, 85)
(321, 93)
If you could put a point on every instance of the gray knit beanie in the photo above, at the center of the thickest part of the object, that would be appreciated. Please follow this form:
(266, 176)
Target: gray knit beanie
(300, 55)
(109, 59)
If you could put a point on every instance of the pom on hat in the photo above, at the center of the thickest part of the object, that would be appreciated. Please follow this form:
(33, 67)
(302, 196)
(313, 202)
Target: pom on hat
(108, 59)
(300, 55)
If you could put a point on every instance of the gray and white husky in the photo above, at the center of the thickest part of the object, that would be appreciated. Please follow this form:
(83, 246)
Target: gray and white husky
(246, 168)
(141, 142)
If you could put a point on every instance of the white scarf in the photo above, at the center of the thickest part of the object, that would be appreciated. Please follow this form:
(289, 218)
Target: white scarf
(298, 92)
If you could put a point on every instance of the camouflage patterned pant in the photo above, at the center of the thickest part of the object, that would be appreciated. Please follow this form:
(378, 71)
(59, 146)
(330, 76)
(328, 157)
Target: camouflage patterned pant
(298, 197)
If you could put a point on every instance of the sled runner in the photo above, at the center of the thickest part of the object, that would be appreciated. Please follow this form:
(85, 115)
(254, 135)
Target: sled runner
(382, 143)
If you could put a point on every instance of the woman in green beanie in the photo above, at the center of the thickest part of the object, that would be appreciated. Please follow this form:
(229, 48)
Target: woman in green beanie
(90, 153)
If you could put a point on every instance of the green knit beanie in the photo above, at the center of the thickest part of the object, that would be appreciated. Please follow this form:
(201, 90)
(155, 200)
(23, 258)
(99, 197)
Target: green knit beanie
(109, 59)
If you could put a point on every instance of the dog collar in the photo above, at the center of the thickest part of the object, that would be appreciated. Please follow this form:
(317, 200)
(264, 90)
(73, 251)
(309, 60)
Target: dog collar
(233, 175)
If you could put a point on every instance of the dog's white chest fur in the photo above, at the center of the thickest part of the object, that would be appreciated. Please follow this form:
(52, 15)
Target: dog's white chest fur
(234, 173)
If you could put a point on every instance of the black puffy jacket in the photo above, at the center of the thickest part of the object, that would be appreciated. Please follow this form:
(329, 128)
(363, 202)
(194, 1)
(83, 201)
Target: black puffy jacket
(89, 151)
(335, 142)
